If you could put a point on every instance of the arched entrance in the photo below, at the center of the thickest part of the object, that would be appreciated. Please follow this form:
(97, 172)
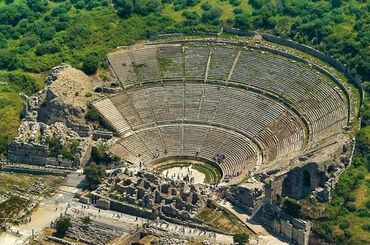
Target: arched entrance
(306, 179)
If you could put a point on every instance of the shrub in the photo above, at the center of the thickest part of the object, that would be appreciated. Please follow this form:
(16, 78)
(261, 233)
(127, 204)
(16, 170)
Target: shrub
(241, 238)
(344, 225)
(86, 220)
(212, 16)
(363, 212)
(366, 227)
(351, 206)
(243, 21)
(62, 225)
(90, 64)
(47, 48)
(91, 115)
(206, 6)
(94, 173)
(234, 2)
(292, 207)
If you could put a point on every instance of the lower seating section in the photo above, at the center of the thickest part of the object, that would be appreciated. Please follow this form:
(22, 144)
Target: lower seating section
(244, 111)
(235, 154)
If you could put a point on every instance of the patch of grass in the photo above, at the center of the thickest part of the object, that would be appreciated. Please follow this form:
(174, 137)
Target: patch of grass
(10, 182)
(222, 220)
(11, 208)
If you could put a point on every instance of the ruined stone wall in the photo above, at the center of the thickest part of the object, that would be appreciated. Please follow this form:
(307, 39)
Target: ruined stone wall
(295, 231)
(104, 203)
(236, 31)
(28, 153)
(248, 196)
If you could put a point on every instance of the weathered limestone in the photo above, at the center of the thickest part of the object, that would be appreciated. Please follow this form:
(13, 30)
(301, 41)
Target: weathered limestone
(65, 99)
(293, 230)
(247, 196)
(37, 142)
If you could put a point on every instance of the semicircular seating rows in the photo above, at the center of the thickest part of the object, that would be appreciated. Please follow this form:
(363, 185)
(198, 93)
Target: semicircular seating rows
(238, 107)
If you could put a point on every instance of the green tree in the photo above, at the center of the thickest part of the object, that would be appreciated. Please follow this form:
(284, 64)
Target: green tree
(90, 64)
(212, 16)
(62, 225)
(94, 173)
(241, 238)
(243, 21)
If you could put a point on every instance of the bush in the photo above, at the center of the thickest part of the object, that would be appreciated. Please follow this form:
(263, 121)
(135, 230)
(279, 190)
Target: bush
(243, 21)
(90, 64)
(94, 173)
(344, 225)
(86, 220)
(366, 227)
(62, 225)
(212, 16)
(47, 48)
(206, 6)
(234, 2)
(292, 207)
(241, 238)
(91, 115)
(363, 212)
(351, 206)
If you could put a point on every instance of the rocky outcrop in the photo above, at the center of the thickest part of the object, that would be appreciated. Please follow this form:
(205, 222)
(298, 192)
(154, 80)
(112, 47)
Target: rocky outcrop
(65, 96)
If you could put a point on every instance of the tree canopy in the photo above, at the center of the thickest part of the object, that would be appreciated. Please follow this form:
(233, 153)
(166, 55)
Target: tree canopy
(94, 173)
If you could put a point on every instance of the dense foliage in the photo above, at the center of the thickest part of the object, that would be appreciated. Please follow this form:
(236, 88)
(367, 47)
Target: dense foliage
(11, 83)
(94, 173)
(62, 225)
(240, 238)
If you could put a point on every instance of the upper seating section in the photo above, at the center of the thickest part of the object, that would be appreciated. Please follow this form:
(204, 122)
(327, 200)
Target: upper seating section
(307, 90)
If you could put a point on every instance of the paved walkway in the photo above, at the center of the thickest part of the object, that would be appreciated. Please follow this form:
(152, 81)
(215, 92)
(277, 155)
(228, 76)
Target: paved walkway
(47, 211)
(263, 236)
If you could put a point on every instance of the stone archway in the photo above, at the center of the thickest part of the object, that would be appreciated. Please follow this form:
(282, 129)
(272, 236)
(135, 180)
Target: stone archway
(306, 179)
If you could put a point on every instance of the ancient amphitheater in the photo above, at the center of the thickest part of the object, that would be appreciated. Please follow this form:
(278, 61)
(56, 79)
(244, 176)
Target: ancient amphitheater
(244, 108)
(211, 134)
